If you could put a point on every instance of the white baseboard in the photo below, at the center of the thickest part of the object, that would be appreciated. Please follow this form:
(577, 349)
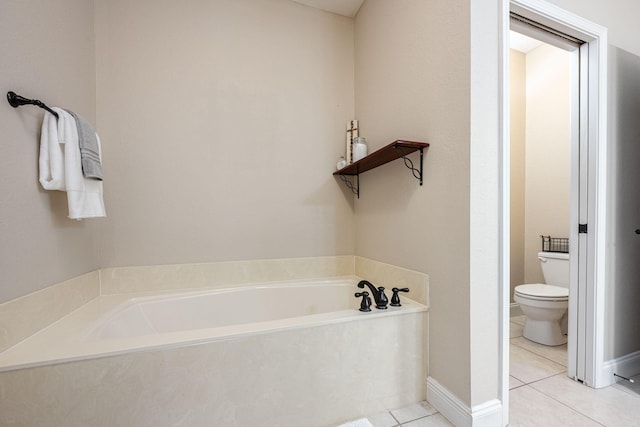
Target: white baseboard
(627, 366)
(488, 414)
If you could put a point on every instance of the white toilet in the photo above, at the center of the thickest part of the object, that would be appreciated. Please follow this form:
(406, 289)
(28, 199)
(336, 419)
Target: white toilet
(545, 305)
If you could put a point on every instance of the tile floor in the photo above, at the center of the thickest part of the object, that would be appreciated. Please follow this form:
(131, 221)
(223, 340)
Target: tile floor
(416, 415)
(541, 394)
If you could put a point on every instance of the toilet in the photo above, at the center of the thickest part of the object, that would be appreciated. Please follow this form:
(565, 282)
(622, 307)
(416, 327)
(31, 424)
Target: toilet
(545, 305)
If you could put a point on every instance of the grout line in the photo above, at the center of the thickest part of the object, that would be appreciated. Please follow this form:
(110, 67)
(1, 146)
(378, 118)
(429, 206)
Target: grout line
(563, 373)
(539, 355)
(566, 405)
(546, 378)
(511, 375)
(392, 416)
(421, 418)
(539, 379)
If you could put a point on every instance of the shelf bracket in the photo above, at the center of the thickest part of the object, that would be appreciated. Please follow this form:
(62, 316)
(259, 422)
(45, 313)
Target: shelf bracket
(355, 189)
(417, 173)
(384, 155)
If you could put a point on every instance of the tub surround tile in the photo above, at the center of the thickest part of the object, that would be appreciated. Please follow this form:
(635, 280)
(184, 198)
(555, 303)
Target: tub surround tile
(24, 316)
(221, 274)
(609, 406)
(226, 380)
(528, 367)
(524, 410)
(229, 380)
(391, 276)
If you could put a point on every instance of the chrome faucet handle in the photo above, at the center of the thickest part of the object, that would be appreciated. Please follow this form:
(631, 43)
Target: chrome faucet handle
(365, 305)
(395, 299)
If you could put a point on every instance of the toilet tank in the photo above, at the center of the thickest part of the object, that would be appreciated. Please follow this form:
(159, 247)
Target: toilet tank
(555, 268)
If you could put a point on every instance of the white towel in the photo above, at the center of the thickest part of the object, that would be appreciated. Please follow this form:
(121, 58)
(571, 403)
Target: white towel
(61, 166)
(51, 155)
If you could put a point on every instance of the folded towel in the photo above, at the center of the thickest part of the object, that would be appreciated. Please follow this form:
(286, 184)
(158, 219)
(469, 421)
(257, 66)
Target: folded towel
(51, 160)
(89, 148)
(61, 166)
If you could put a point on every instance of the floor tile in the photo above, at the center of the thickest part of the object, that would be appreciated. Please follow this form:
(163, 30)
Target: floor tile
(436, 420)
(556, 353)
(531, 408)
(413, 411)
(515, 330)
(528, 367)
(362, 422)
(609, 406)
(383, 419)
(514, 382)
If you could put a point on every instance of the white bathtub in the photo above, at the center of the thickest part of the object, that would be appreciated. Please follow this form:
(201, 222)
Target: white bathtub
(116, 324)
(258, 306)
(285, 354)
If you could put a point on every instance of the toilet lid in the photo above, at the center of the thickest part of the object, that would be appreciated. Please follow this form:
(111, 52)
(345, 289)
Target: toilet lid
(542, 291)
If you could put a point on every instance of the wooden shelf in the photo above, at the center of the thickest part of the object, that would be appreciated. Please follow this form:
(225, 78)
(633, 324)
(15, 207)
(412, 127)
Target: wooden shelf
(386, 154)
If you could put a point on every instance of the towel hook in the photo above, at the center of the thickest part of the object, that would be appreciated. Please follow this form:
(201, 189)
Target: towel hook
(16, 100)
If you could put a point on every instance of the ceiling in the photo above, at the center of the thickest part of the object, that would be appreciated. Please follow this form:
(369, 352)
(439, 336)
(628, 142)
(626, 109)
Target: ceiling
(522, 43)
(350, 8)
(347, 8)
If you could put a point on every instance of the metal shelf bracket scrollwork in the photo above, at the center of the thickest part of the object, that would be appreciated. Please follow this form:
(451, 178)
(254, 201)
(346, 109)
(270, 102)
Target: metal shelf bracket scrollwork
(355, 189)
(417, 173)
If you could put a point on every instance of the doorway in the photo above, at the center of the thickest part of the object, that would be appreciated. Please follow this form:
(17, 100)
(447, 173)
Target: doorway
(588, 196)
(541, 79)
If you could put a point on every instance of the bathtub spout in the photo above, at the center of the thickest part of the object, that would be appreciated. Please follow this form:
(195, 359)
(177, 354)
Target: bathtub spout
(378, 294)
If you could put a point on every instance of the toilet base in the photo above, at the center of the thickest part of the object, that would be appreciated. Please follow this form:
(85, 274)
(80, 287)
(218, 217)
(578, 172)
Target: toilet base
(544, 332)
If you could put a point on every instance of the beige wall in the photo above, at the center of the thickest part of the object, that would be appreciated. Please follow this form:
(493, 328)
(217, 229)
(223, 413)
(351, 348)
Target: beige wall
(222, 123)
(540, 156)
(412, 82)
(213, 149)
(548, 149)
(47, 51)
(517, 94)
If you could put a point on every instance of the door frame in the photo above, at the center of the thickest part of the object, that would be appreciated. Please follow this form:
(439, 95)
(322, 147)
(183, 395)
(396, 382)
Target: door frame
(586, 318)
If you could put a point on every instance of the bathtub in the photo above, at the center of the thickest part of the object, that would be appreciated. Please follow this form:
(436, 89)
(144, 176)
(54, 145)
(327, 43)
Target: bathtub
(239, 353)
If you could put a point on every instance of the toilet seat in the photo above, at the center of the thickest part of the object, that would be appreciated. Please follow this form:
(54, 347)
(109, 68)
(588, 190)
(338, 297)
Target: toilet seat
(542, 292)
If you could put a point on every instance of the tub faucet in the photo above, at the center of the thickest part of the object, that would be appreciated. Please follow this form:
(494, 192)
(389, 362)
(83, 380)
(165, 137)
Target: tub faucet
(365, 304)
(378, 294)
(395, 299)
